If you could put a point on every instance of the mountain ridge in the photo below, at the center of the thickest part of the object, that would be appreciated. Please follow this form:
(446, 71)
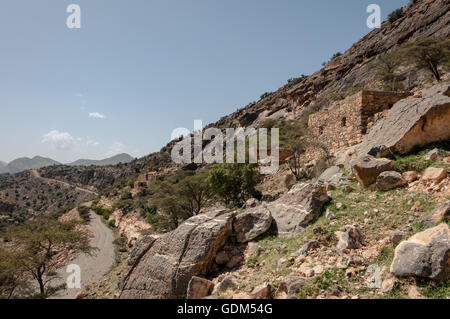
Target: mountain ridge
(25, 163)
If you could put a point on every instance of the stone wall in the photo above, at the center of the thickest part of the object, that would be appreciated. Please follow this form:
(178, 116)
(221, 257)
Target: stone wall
(345, 122)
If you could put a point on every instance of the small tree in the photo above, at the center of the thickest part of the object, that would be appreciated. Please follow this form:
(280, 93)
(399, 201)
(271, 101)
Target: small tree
(13, 277)
(38, 242)
(428, 54)
(234, 183)
(386, 66)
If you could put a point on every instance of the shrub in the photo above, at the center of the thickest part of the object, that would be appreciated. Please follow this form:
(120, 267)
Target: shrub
(84, 213)
(395, 15)
(234, 183)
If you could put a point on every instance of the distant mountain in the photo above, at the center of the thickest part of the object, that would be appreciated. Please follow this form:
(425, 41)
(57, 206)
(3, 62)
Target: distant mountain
(25, 163)
(3, 167)
(120, 158)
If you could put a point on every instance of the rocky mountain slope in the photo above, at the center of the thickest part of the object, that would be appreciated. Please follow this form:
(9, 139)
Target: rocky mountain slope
(114, 160)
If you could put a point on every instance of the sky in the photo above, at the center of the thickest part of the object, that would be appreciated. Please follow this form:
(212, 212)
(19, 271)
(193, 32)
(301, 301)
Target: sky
(138, 69)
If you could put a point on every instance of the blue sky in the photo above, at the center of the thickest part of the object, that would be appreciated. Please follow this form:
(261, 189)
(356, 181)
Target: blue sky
(138, 69)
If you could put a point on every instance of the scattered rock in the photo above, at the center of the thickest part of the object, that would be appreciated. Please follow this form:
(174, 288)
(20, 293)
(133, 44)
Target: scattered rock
(329, 215)
(368, 168)
(261, 292)
(397, 237)
(252, 223)
(291, 286)
(222, 257)
(350, 238)
(199, 288)
(438, 215)
(413, 293)
(234, 261)
(339, 205)
(432, 155)
(434, 174)
(388, 283)
(410, 176)
(389, 180)
(328, 175)
(373, 274)
(303, 251)
(426, 254)
(227, 283)
(252, 202)
(281, 262)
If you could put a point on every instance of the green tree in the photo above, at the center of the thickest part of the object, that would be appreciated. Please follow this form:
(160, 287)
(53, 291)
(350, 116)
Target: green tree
(13, 278)
(234, 183)
(386, 67)
(427, 54)
(39, 241)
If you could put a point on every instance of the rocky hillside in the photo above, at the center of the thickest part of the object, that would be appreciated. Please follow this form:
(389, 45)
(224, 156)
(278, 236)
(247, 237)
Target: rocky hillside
(114, 160)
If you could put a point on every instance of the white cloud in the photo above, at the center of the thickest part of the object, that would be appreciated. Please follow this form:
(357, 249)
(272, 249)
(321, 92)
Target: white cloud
(62, 141)
(97, 115)
(115, 148)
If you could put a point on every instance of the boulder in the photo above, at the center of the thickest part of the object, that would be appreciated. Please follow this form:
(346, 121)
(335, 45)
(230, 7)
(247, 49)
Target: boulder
(304, 250)
(227, 283)
(199, 288)
(328, 175)
(410, 176)
(434, 174)
(389, 180)
(426, 254)
(252, 223)
(410, 123)
(222, 257)
(167, 264)
(438, 215)
(261, 292)
(368, 168)
(349, 238)
(291, 286)
(397, 237)
(296, 209)
(432, 155)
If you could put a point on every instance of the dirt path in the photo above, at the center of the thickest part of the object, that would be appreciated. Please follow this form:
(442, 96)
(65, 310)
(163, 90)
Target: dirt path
(92, 267)
(36, 174)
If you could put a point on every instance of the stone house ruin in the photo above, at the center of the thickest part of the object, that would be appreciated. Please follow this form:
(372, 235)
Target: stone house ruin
(344, 123)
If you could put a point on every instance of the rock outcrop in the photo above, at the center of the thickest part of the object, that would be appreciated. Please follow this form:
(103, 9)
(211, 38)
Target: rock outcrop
(162, 268)
(252, 223)
(426, 254)
(297, 208)
(412, 122)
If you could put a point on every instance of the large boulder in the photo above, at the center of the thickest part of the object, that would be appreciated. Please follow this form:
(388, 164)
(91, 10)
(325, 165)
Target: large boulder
(411, 123)
(442, 213)
(367, 169)
(389, 180)
(252, 223)
(297, 208)
(426, 254)
(166, 265)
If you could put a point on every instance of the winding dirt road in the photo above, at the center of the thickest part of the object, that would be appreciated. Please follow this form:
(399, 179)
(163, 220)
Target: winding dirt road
(92, 267)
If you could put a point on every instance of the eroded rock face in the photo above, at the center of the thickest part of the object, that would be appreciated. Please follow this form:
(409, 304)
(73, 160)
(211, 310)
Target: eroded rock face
(252, 223)
(411, 123)
(390, 180)
(165, 266)
(426, 254)
(297, 208)
(368, 168)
